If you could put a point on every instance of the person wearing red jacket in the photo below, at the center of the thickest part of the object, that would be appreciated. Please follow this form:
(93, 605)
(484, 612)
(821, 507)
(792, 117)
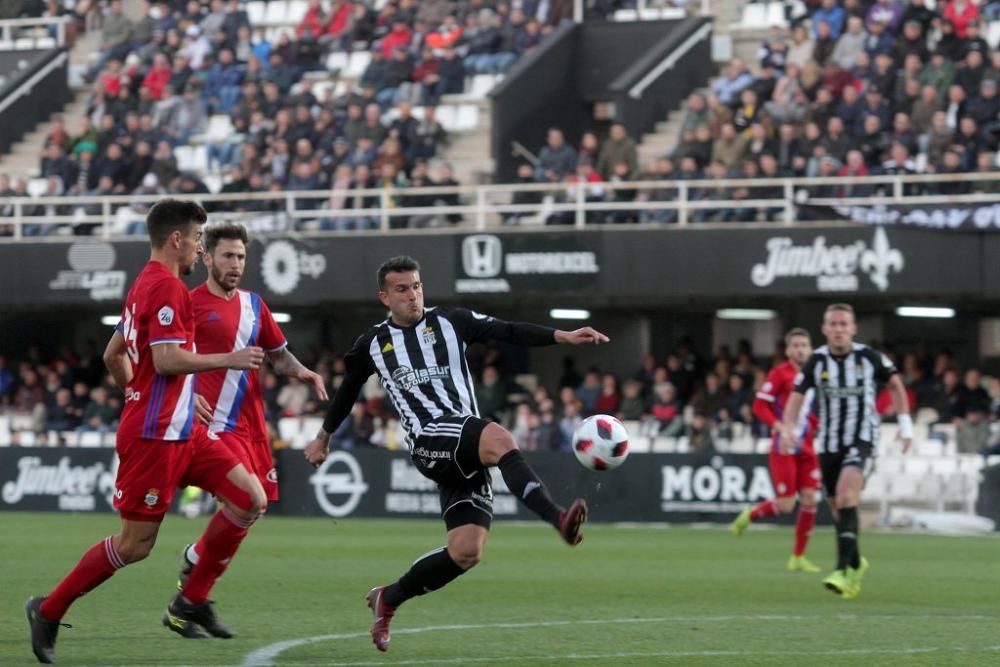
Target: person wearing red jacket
(795, 474)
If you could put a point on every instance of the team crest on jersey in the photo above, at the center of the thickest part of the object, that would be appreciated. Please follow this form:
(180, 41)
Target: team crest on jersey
(388, 347)
(152, 497)
(428, 335)
(165, 316)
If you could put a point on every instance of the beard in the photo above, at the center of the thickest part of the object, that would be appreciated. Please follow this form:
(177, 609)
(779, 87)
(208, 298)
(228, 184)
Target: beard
(220, 279)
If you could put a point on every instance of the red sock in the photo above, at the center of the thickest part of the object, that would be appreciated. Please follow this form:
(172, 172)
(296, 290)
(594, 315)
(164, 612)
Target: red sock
(764, 509)
(97, 565)
(803, 528)
(215, 549)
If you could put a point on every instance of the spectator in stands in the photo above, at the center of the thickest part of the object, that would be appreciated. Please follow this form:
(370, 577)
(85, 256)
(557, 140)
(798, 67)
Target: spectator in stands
(618, 147)
(972, 411)
(960, 13)
(729, 87)
(61, 415)
(100, 414)
(800, 51)
(850, 44)
(832, 15)
(116, 32)
(491, 395)
(666, 411)
(730, 147)
(632, 406)
(556, 159)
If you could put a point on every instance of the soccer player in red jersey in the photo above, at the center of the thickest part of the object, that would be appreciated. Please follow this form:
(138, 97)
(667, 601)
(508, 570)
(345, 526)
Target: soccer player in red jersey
(796, 473)
(160, 445)
(229, 319)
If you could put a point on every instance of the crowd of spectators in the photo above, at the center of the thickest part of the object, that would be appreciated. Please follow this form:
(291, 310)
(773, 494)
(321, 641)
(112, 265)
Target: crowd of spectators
(853, 88)
(159, 78)
(682, 395)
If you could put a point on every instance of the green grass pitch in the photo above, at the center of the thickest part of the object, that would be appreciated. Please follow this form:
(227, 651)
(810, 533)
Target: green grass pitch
(626, 596)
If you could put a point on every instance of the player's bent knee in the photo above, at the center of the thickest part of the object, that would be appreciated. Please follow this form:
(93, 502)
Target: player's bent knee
(466, 558)
(786, 504)
(134, 551)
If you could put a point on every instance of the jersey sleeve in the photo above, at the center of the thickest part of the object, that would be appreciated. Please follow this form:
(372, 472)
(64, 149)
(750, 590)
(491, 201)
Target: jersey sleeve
(271, 337)
(168, 303)
(806, 378)
(359, 365)
(763, 404)
(473, 327)
(884, 368)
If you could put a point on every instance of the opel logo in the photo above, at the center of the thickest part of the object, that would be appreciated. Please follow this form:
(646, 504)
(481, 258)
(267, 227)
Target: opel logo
(482, 256)
(339, 484)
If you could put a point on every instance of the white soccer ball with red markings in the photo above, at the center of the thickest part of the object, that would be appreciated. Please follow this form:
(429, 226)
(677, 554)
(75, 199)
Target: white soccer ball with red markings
(600, 442)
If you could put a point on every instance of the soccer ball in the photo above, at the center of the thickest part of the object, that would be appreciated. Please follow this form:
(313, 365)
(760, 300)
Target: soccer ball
(600, 442)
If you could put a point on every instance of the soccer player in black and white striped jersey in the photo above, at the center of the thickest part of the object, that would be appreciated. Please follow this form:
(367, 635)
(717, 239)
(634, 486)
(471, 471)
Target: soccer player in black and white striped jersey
(419, 355)
(845, 376)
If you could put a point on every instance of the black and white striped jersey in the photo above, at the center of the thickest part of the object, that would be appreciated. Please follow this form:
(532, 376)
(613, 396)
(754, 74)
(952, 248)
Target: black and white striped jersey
(846, 387)
(423, 367)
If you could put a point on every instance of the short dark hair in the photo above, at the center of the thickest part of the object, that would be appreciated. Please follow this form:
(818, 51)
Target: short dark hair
(170, 215)
(230, 230)
(398, 264)
(795, 333)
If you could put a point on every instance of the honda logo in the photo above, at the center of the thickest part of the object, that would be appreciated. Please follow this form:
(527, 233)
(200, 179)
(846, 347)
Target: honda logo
(482, 256)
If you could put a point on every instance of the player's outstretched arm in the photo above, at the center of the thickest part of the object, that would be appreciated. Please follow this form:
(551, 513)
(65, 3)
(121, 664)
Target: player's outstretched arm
(116, 360)
(170, 359)
(285, 363)
(340, 407)
(581, 336)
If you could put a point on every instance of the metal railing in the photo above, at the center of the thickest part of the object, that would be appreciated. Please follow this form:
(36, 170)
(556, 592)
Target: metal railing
(485, 206)
(17, 34)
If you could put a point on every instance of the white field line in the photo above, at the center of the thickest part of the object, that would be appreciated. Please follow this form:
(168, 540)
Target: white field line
(265, 656)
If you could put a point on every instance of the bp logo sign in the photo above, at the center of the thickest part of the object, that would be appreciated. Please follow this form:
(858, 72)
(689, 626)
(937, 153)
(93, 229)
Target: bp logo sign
(339, 484)
(283, 266)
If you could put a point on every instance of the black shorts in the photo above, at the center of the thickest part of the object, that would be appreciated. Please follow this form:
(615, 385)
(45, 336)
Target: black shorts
(831, 463)
(447, 451)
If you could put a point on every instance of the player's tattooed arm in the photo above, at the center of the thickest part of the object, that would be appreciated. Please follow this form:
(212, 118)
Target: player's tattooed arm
(285, 363)
(116, 360)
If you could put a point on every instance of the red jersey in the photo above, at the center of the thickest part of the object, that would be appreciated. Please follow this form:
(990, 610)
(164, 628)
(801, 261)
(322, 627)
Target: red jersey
(769, 405)
(223, 326)
(157, 311)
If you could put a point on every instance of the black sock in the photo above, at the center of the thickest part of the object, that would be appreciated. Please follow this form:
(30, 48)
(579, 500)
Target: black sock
(847, 539)
(428, 573)
(524, 483)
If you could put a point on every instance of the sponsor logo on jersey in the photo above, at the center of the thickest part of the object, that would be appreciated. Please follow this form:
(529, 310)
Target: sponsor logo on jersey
(132, 395)
(388, 347)
(272, 476)
(406, 378)
(166, 316)
(425, 453)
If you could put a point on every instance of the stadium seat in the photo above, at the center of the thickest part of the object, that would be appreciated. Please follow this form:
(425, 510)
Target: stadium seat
(481, 85)
(4, 430)
(37, 187)
(466, 118)
(256, 11)
(213, 182)
(672, 13)
(191, 158)
(6, 45)
(649, 14)
(776, 14)
(24, 44)
(625, 15)
(220, 127)
(993, 34)
(277, 12)
(663, 445)
(90, 439)
(337, 61)
(754, 15)
(296, 11)
(45, 43)
(357, 64)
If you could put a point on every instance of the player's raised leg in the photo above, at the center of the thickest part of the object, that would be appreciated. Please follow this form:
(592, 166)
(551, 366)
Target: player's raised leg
(98, 564)
(497, 448)
(242, 501)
